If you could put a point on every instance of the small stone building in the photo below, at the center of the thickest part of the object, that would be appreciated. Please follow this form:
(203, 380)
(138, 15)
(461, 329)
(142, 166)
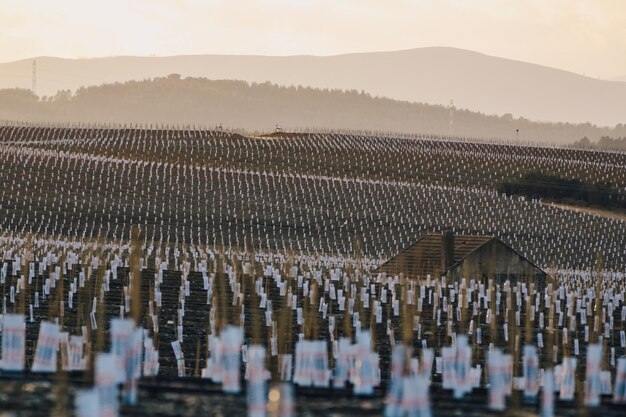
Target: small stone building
(458, 256)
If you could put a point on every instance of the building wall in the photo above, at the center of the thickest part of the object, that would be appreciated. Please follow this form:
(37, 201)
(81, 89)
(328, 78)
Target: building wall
(496, 260)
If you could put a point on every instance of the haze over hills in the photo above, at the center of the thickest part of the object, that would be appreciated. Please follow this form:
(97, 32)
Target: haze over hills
(436, 75)
(258, 107)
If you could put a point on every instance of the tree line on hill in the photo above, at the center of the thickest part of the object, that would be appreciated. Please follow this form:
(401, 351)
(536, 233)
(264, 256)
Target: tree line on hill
(604, 143)
(258, 107)
(536, 184)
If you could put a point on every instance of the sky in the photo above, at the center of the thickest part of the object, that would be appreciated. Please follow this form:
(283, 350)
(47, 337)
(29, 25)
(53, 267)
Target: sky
(583, 36)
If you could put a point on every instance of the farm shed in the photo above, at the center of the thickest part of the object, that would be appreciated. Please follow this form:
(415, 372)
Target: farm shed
(458, 256)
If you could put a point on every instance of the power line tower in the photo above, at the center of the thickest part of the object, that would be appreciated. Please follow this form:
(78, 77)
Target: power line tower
(451, 119)
(34, 80)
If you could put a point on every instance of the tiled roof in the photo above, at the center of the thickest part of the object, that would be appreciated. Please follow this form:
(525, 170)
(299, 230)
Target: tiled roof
(424, 256)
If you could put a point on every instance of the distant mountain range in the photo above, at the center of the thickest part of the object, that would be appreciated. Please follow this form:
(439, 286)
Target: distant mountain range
(622, 79)
(427, 75)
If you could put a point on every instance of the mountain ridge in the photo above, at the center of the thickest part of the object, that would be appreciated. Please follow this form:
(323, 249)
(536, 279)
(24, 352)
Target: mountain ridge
(433, 75)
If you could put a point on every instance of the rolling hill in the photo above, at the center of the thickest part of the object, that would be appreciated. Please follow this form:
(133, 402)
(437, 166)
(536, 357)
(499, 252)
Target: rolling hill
(174, 100)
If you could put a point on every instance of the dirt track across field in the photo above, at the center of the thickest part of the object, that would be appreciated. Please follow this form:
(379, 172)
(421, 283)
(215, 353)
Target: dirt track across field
(596, 212)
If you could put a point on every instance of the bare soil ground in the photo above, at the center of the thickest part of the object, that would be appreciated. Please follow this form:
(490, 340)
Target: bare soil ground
(595, 211)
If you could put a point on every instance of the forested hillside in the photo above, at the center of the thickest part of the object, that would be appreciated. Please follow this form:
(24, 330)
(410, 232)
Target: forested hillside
(259, 107)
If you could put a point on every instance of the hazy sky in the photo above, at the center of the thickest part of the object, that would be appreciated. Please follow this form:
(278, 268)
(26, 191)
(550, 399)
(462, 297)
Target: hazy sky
(584, 36)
